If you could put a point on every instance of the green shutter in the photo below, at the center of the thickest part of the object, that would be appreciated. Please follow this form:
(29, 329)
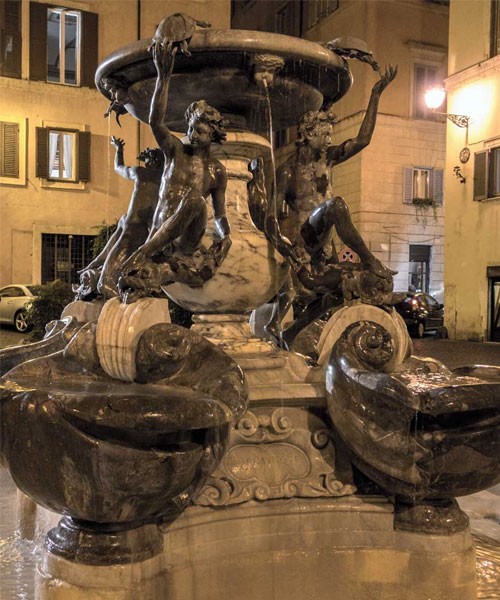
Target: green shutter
(83, 156)
(38, 41)
(9, 149)
(42, 152)
(481, 175)
(89, 49)
(10, 38)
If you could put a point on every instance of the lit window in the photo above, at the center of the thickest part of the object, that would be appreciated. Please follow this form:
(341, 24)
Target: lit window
(63, 46)
(63, 154)
(422, 186)
(487, 174)
(62, 145)
(424, 78)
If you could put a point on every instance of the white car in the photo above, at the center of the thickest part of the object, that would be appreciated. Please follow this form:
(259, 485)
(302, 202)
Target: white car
(14, 301)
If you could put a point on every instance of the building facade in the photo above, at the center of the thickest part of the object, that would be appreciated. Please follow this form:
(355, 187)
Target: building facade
(472, 233)
(57, 184)
(394, 187)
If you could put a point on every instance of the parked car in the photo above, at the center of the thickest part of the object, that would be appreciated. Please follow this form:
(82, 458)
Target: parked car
(14, 302)
(421, 312)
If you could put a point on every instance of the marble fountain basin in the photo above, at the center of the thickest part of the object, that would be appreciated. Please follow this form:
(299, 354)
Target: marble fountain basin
(421, 430)
(221, 70)
(114, 453)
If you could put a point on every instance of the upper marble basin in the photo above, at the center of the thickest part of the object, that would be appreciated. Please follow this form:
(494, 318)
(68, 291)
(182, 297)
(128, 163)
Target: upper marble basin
(220, 70)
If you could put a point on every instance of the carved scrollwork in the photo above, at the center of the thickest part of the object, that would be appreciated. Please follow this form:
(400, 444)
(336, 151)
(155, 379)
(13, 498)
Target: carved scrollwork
(276, 453)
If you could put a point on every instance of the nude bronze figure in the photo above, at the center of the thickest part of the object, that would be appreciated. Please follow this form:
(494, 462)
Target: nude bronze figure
(305, 184)
(173, 249)
(101, 275)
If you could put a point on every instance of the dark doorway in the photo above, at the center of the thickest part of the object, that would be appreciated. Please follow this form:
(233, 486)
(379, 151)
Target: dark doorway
(419, 268)
(494, 303)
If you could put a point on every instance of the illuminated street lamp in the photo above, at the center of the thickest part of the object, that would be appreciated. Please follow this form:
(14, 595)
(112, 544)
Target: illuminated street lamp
(434, 98)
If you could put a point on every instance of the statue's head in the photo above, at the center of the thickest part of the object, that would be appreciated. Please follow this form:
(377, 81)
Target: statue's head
(153, 158)
(315, 129)
(205, 124)
(265, 67)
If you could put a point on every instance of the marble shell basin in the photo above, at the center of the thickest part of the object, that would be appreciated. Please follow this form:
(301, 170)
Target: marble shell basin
(421, 431)
(103, 451)
(220, 70)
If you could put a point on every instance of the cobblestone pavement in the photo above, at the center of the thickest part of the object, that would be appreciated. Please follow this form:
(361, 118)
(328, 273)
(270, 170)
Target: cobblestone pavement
(18, 557)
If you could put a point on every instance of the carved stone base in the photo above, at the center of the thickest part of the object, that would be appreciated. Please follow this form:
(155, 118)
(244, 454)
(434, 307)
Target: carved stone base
(319, 548)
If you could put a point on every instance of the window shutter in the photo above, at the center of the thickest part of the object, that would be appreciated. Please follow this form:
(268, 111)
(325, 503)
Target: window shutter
(408, 185)
(9, 150)
(38, 41)
(437, 186)
(481, 175)
(84, 156)
(42, 152)
(89, 49)
(10, 38)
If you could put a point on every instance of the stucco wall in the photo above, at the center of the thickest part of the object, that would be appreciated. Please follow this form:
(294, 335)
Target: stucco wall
(372, 184)
(29, 209)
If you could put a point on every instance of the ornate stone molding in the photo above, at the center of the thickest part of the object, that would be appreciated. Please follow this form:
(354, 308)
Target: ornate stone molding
(275, 453)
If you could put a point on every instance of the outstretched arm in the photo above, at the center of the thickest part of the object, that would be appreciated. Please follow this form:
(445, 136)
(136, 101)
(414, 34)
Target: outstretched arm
(120, 168)
(340, 153)
(163, 58)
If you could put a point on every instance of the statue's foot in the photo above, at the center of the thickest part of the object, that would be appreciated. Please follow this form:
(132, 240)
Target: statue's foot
(430, 516)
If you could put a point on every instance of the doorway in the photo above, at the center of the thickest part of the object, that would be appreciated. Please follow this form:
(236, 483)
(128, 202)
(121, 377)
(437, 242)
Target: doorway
(494, 303)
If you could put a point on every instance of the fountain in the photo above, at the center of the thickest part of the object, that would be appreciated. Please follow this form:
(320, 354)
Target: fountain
(210, 462)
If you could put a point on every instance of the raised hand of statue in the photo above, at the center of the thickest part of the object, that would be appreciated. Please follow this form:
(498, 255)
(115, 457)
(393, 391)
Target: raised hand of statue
(118, 143)
(163, 56)
(385, 79)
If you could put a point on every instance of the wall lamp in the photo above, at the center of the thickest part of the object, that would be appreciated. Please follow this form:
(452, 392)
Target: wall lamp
(434, 98)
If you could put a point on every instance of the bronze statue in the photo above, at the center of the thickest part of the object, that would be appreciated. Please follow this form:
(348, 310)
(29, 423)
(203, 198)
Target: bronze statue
(101, 275)
(117, 88)
(173, 250)
(304, 183)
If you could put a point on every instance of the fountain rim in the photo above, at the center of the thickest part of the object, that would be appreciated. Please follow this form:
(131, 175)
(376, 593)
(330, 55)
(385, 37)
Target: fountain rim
(227, 40)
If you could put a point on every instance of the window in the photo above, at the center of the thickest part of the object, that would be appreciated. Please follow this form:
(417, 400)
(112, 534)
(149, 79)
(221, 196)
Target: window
(418, 268)
(284, 19)
(10, 38)
(495, 28)
(64, 255)
(315, 10)
(63, 45)
(63, 154)
(422, 186)
(424, 78)
(487, 174)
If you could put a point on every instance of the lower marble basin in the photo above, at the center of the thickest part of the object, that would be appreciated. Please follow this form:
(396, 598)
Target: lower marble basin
(420, 431)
